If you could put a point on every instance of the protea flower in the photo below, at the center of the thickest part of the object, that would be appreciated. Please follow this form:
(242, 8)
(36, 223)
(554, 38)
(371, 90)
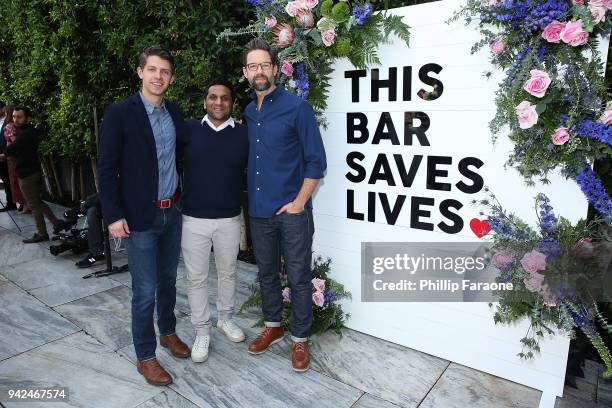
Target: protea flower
(305, 19)
(283, 35)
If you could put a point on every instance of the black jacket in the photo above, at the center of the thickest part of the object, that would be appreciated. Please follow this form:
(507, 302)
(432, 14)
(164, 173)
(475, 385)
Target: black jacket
(127, 162)
(24, 151)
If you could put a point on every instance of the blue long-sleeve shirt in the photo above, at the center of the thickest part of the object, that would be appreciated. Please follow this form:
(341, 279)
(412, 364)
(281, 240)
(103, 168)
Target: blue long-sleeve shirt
(285, 147)
(164, 133)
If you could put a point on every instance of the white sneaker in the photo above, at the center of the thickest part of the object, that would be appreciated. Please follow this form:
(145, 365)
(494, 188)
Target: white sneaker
(199, 351)
(233, 332)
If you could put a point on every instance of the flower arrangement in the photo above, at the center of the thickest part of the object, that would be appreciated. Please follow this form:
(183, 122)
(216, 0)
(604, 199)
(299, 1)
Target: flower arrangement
(311, 34)
(553, 96)
(557, 273)
(326, 294)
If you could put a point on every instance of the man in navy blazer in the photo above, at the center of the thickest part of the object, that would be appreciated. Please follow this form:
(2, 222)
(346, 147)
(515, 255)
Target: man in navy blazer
(138, 183)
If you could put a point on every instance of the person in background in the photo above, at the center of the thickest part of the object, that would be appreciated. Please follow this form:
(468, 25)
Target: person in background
(9, 130)
(4, 171)
(24, 152)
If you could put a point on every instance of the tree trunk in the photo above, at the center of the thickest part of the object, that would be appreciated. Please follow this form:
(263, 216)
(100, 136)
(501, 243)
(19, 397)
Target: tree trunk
(46, 178)
(56, 178)
(73, 183)
(94, 171)
(82, 179)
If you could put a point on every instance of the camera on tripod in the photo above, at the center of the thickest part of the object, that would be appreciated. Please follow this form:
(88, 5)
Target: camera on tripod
(74, 240)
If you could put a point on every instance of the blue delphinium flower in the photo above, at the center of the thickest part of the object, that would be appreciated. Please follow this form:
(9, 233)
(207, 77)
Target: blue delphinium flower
(530, 16)
(594, 130)
(582, 320)
(548, 228)
(595, 192)
(301, 84)
(362, 14)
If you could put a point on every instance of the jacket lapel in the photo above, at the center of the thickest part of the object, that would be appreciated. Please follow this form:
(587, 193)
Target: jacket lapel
(142, 119)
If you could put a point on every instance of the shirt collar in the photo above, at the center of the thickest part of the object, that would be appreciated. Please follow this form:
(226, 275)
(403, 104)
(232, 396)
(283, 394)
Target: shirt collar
(229, 122)
(279, 88)
(149, 107)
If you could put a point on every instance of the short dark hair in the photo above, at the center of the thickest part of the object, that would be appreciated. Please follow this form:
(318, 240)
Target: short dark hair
(2, 104)
(258, 44)
(25, 110)
(157, 51)
(220, 81)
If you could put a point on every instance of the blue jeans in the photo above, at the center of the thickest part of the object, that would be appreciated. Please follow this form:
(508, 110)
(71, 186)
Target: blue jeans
(293, 233)
(152, 259)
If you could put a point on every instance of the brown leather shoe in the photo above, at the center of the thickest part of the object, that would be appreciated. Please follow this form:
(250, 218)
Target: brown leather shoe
(300, 356)
(175, 345)
(268, 337)
(153, 372)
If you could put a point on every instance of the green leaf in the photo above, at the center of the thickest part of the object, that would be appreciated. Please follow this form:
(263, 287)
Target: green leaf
(540, 108)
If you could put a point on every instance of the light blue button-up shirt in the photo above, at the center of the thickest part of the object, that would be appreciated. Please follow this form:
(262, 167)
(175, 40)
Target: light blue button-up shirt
(165, 145)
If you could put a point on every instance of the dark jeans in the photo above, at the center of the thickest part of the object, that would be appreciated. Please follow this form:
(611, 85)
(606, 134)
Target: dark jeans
(94, 224)
(94, 231)
(152, 259)
(293, 233)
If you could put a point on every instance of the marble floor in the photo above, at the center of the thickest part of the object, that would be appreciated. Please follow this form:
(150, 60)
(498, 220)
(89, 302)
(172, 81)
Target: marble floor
(57, 329)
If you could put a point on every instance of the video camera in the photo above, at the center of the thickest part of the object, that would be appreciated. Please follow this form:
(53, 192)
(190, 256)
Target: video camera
(74, 240)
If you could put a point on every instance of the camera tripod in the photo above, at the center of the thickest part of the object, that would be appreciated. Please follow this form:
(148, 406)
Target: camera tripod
(110, 269)
(10, 216)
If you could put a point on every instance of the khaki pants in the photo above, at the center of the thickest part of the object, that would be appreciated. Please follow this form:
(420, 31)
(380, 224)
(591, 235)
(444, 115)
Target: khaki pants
(199, 234)
(31, 187)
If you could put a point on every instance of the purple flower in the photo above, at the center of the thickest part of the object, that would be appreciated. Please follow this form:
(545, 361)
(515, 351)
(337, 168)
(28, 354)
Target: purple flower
(595, 192)
(362, 14)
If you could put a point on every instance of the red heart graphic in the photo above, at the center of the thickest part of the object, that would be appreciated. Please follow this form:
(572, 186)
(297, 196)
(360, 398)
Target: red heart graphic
(480, 228)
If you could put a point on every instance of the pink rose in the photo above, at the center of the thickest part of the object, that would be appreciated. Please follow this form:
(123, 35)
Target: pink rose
(606, 118)
(270, 22)
(578, 2)
(318, 298)
(574, 34)
(287, 295)
(311, 3)
(533, 282)
(533, 261)
(526, 114)
(293, 8)
(561, 136)
(502, 259)
(328, 36)
(552, 32)
(497, 47)
(287, 68)
(319, 284)
(538, 83)
(598, 13)
(606, 4)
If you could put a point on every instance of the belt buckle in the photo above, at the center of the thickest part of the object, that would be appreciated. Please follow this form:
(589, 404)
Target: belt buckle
(164, 204)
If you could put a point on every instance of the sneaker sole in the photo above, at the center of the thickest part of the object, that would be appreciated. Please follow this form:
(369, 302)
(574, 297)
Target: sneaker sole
(301, 370)
(197, 360)
(266, 349)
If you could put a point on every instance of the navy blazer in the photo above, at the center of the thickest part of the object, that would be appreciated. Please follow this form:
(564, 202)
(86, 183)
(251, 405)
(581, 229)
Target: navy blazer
(127, 162)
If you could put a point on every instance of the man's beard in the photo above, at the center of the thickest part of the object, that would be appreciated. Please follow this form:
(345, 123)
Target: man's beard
(261, 86)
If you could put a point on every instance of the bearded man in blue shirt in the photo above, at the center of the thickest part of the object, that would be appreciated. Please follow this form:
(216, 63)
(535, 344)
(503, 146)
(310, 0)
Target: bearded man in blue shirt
(286, 162)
